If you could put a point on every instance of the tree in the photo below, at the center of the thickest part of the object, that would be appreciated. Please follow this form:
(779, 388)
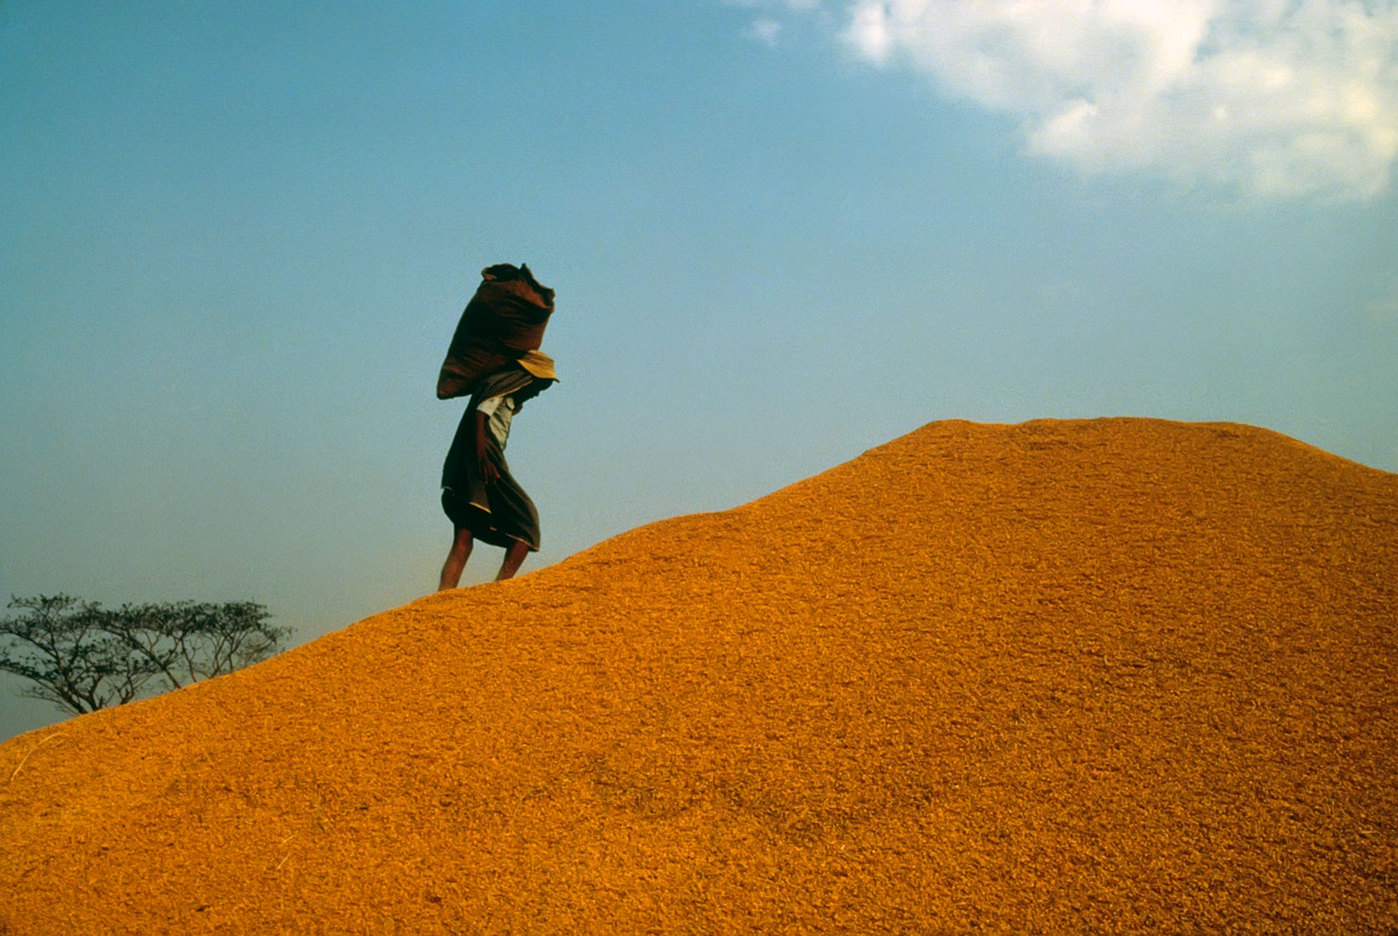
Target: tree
(83, 657)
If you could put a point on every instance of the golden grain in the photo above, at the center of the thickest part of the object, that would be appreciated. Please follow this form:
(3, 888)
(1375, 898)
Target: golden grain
(1099, 676)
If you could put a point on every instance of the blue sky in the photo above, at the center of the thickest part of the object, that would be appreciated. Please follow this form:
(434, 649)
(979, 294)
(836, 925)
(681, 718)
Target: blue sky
(235, 239)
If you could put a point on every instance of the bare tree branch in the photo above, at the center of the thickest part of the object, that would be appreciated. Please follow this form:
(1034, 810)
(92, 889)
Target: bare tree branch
(82, 657)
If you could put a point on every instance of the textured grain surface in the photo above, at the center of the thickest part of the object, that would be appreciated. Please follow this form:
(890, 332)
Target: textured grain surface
(1105, 676)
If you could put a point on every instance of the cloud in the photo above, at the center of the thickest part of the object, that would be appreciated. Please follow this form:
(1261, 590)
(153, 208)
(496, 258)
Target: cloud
(767, 28)
(764, 30)
(1275, 98)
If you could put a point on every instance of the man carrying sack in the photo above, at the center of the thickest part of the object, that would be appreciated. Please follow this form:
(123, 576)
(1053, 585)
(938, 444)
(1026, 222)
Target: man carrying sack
(494, 358)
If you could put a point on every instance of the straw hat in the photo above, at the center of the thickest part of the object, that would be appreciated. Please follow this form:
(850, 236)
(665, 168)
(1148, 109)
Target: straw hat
(539, 364)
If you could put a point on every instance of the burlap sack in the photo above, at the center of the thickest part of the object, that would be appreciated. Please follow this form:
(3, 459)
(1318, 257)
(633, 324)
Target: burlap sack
(504, 319)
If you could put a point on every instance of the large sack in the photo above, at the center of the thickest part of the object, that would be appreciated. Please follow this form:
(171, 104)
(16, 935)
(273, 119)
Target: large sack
(504, 320)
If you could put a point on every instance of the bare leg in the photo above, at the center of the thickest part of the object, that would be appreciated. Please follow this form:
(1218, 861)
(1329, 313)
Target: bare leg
(514, 558)
(456, 559)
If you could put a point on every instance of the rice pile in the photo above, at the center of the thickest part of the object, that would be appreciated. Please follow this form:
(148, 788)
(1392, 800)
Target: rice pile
(1100, 676)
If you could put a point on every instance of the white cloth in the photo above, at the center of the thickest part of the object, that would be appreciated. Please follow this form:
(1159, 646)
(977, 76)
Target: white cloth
(498, 411)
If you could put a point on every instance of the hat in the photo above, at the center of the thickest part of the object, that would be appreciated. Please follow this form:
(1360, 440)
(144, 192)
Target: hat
(539, 364)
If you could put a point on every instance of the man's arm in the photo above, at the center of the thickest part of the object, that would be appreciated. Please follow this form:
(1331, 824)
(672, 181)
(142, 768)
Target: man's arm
(488, 470)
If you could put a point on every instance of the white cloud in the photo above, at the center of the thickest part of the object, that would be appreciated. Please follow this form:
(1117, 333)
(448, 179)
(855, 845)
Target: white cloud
(765, 30)
(1273, 97)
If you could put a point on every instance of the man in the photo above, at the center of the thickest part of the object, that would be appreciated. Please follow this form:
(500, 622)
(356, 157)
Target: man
(479, 495)
(494, 356)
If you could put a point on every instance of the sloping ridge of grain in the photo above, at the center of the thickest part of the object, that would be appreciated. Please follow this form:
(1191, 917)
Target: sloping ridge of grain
(1115, 675)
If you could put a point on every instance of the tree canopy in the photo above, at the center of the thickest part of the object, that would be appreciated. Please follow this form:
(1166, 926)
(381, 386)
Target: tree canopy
(83, 657)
